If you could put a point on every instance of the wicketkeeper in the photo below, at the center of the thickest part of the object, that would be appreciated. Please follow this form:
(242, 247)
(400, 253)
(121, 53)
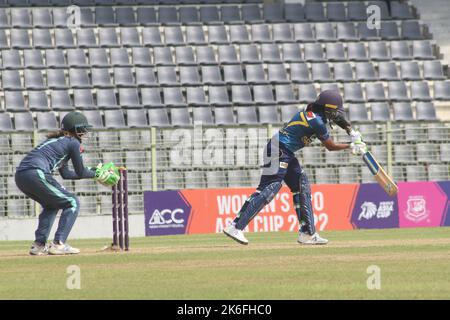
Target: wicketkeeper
(34, 178)
(282, 165)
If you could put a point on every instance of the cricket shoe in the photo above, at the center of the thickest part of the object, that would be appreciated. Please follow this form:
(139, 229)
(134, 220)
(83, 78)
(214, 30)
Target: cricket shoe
(38, 249)
(61, 249)
(235, 234)
(304, 238)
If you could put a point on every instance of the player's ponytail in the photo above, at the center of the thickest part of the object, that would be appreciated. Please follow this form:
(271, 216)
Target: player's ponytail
(57, 134)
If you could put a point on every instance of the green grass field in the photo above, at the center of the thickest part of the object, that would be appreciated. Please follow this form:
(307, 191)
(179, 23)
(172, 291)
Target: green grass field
(414, 264)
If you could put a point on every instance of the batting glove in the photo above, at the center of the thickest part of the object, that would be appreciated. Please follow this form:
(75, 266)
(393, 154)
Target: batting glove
(358, 148)
(355, 136)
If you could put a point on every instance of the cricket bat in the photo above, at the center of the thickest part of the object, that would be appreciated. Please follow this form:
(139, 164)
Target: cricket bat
(383, 179)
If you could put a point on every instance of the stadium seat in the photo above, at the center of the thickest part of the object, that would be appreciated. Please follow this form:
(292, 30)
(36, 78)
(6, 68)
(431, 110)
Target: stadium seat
(353, 92)
(173, 97)
(76, 58)
(299, 73)
(168, 16)
(60, 100)
(167, 76)
(241, 95)
(104, 17)
(422, 50)
(378, 51)
(389, 30)
(86, 38)
(326, 175)
(189, 76)
(230, 14)
(125, 17)
(375, 92)
(336, 12)
(420, 91)
(188, 15)
(233, 74)
(273, 12)
(321, 72)
(98, 57)
(345, 31)
(42, 39)
(404, 154)
(211, 75)
(365, 71)
(38, 101)
(146, 16)
(180, 117)
(79, 79)
(402, 111)
(366, 34)
(270, 53)
(442, 90)
(433, 70)
(251, 13)
(151, 36)
(202, 115)
(83, 99)
(324, 32)
(397, 91)
(106, 99)
(173, 36)
(303, 32)
(218, 96)
(287, 112)
(209, 15)
(263, 95)
(342, 72)
(158, 117)
(315, 12)
(409, 70)
(11, 59)
(357, 112)
(401, 10)
(11, 80)
(195, 97)
(411, 30)
(294, 12)
(129, 37)
(249, 54)
(195, 35)
(285, 94)
(356, 11)
(162, 56)
(335, 52)
(33, 59)
(314, 52)
(400, 50)
(387, 71)
(380, 111)
(425, 111)
(260, 33)
(64, 39)
(306, 93)
(224, 116)
(276, 74)
(227, 55)
(291, 53)
(205, 56)
(282, 33)
(356, 51)
(239, 34)
(137, 118)
(246, 115)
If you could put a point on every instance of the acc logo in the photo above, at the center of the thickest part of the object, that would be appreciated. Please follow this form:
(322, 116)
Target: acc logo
(369, 210)
(166, 216)
(417, 210)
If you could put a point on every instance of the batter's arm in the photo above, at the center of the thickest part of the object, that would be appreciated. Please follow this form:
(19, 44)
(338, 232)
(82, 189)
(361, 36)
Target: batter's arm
(332, 146)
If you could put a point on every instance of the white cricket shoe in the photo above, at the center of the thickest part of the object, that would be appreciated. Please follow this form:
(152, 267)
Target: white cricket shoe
(304, 238)
(37, 249)
(61, 249)
(235, 234)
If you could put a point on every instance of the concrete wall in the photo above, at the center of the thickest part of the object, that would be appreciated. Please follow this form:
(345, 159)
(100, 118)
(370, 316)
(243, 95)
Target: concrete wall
(85, 227)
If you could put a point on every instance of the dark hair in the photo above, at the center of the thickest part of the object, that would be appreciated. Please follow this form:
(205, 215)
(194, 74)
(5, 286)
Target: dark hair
(58, 134)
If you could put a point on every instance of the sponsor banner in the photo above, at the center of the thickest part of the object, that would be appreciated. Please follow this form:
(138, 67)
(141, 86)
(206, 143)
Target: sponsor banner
(166, 212)
(210, 210)
(420, 204)
(374, 208)
(336, 207)
(445, 187)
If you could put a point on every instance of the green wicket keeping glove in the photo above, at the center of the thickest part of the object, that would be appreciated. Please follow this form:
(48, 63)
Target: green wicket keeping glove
(107, 174)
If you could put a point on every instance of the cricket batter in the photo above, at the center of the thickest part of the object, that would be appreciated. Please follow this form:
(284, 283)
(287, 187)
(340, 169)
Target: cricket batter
(34, 178)
(284, 166)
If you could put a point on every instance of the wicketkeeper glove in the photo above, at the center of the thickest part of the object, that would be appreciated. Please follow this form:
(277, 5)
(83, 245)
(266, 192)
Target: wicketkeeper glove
(107, 174)
(358, 148)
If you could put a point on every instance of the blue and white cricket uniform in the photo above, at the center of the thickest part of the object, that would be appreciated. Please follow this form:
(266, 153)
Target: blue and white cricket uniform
(34, 178)
(296, 134)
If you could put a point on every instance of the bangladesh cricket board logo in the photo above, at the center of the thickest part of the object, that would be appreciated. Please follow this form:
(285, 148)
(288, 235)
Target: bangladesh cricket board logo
(417, 210)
